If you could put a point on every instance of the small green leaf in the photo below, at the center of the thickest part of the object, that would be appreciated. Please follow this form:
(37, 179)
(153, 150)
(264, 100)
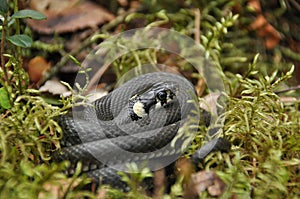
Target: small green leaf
(3, 6)
(27, 168)
(20, 40)
(75, 60)
(29, 14)
(52, 100)
(4, 99)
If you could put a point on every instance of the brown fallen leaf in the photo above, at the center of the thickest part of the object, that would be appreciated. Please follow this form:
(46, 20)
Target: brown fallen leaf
(255, 4)
(208, 180)
(55, 87)
(263, 28)
(271, 41)
(36, 67)
(123, 2)
(68, 16)
(52, 6)
(259, 22)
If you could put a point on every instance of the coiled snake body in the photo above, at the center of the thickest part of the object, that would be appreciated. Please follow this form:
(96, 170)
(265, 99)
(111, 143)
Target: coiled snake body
(137, 122)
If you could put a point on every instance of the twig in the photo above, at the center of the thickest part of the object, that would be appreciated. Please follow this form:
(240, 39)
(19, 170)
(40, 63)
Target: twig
(97, 76)
(197, 25)
(295, 4)
(18, 53)
(200, 86)
(6, 81)
(288, 89)
(2, 50)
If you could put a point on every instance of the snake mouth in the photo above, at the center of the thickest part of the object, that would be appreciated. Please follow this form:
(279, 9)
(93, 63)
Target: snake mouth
(156, 96)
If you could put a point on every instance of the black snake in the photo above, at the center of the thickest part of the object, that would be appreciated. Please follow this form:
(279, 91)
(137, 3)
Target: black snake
(137, 122)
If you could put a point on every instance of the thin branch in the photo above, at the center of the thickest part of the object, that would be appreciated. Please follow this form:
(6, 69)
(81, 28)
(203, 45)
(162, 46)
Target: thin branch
(2, 50)
(288, 89)
(19, 50)
(97, 76)
(200, 86)
(6, 81)
(295, 4)
(197, 25)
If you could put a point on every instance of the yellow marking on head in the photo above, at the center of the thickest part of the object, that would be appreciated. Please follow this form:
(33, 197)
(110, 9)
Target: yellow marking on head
(158, 104)
(138, 109)
(134, 96)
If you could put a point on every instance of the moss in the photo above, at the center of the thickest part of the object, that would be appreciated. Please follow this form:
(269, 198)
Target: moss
(265, 132)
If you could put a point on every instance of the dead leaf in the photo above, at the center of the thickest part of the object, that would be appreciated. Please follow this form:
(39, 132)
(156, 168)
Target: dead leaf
(259, 22)
(54, 87)
(36, 67)
(68, 16)
(271, 41)
(208, 180)
(263, 28)
(200, 86)
(123, 3)
(96, 94)
(255, 4)
(52, 6)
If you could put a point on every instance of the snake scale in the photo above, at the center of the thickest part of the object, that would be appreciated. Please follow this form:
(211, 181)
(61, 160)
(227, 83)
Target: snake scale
(137, 122)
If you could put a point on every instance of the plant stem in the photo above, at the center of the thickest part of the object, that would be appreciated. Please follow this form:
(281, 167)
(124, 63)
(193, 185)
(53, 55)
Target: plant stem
(18, 53)
(2, 50)
(17, 23)
(293, 88)
(6, 81)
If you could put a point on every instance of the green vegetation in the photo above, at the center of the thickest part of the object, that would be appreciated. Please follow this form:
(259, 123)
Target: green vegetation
(28, 129)
(264, 130)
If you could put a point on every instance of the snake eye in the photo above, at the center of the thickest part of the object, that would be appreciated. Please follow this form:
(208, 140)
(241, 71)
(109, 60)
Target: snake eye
(162, 96)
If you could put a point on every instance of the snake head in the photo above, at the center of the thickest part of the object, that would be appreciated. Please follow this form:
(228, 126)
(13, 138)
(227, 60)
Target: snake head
(154, 97)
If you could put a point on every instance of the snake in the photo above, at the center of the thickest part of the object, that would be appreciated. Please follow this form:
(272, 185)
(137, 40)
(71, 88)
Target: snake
(146, 120)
